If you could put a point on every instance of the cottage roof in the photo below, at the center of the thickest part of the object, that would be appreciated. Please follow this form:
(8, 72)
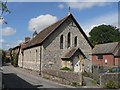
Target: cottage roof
(18, 46)
(71, 52)
(107, 48)
(44, 34)
(117, 53)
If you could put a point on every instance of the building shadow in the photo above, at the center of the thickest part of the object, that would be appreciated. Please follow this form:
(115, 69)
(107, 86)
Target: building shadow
(6, 64)
(12, 81)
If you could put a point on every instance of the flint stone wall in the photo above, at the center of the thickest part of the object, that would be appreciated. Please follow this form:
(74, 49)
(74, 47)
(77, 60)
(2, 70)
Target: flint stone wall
(105, 78)
(64, 77)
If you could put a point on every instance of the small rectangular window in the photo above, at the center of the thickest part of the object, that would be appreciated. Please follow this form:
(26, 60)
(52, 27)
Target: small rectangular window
(100, 56)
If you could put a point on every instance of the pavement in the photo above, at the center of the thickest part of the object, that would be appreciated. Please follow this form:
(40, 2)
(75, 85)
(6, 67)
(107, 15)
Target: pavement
(22, 78)
(0, 79)
(90, 83)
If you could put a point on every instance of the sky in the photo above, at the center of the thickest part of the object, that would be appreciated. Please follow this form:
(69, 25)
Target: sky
(26, 17)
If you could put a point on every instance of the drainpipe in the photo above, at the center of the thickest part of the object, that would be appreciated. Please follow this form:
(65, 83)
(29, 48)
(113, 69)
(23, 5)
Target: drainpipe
(22, 58)
(40, 69)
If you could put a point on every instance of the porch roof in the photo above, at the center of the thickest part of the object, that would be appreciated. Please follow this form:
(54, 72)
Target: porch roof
(72, 52)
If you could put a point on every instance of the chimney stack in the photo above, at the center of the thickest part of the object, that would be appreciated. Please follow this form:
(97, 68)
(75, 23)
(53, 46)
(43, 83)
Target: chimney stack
(27, 39)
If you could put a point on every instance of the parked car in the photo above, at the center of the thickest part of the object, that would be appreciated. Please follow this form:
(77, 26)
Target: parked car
(116, 69)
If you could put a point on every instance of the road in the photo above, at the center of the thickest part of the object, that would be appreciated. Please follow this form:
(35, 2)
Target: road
(20, 78)
(0, 78)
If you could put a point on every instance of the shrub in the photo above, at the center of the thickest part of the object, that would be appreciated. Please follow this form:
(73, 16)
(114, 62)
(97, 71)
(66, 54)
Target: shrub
(110, 70)
(111, 85)
(66, 68)
(46, 77)
(94, 82)
(15, 60)
(83, 83)
(74, 84)
(87, 74)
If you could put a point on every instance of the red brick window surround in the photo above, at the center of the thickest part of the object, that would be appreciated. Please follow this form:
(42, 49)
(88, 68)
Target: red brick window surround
(99, 57)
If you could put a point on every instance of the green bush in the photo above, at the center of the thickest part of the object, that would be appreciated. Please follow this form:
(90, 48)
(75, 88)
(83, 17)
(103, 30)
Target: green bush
(74, 84)
(110, 70)
(111, 85)
(15, 60)
(11, 62)
(87, 74)
(94, 82)
(83, 83)
(66, 68)
(45, 77)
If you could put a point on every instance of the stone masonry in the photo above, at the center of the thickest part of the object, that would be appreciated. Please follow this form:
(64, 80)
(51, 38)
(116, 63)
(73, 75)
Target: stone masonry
(49, 54)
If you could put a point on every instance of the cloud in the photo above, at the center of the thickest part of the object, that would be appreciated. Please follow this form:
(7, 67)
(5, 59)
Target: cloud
(7, 44)
(1, 21)
(20, 41)
(109, 19)
(7, 31)
(2, 41)
(4, 44)
(41, 22)
(86, 5)
(89, 0)
(61, 6)
(61, 0)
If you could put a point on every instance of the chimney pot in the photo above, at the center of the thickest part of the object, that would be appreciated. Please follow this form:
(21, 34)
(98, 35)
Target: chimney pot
(27, 39)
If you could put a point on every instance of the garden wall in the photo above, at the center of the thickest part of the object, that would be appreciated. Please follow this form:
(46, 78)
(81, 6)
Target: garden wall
(107, 77)
(64, 77)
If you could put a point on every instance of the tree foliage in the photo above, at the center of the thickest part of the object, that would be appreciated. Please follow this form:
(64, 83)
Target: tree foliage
(14, 58)
(2, 55)
(104, 34)
(3, 7)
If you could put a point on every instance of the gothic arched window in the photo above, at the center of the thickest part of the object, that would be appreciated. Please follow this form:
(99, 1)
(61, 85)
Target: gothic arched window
(61, 42)
(68, 40)
(75, 42)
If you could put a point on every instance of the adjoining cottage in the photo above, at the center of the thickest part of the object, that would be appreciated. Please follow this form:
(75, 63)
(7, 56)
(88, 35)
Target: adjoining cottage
(62, 44)
(106, 55)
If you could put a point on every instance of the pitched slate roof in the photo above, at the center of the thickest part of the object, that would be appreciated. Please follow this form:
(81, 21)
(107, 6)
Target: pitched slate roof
(107, 48)
(44, 34)
(117, 54)
(18, 46)
(71, 52)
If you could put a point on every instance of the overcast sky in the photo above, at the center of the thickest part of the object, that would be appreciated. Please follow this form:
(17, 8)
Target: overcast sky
(26, 17)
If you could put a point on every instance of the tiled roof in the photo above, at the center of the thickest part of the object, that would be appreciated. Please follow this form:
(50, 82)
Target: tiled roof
(106, 48)
(18, 46)
(71, 52)
(44, 34)
(117, 53)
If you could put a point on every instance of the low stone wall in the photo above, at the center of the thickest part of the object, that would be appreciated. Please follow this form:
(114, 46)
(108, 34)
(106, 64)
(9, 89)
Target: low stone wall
(105, 78)
(64, 77)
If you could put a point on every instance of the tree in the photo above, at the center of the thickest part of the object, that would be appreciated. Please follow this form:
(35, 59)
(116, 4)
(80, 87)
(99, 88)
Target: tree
(104, 34)
(2, 55)
(3, 9)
